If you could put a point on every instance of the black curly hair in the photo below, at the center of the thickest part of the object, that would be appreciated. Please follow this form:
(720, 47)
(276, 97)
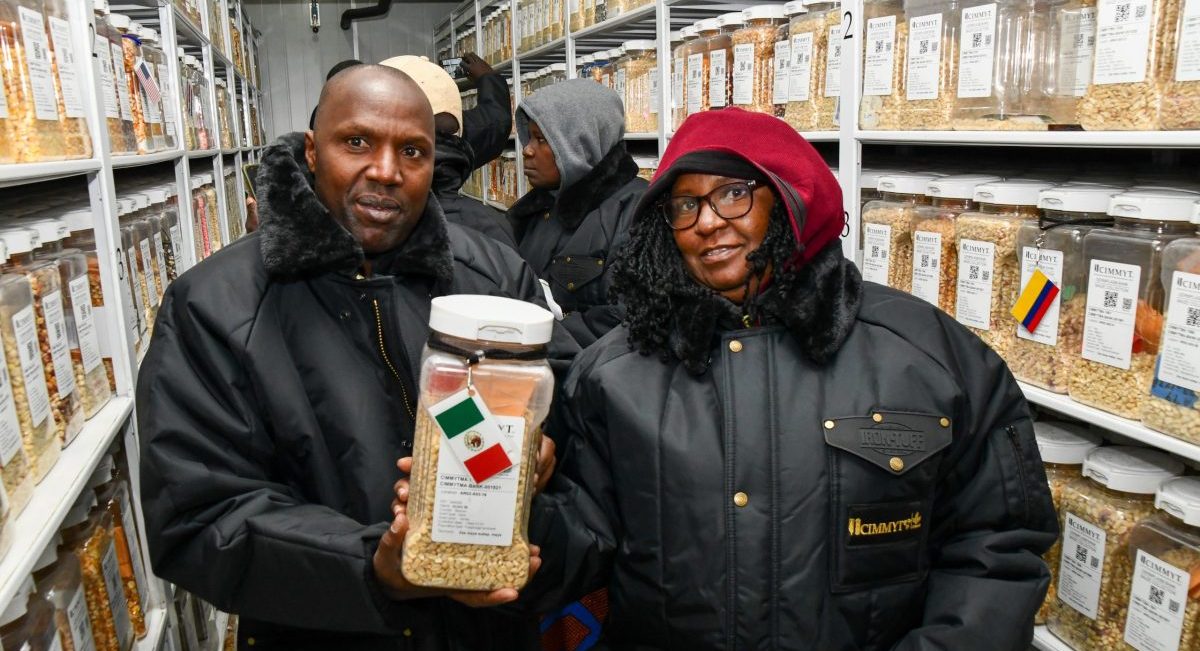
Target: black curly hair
(651, 281)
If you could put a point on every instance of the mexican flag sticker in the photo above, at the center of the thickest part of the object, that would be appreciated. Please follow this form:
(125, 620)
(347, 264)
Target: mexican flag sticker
(472, 434)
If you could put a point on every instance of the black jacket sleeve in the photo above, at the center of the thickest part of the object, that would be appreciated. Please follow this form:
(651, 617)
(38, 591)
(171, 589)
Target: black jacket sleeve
(996, 517)
(219, 523)
(487, 126)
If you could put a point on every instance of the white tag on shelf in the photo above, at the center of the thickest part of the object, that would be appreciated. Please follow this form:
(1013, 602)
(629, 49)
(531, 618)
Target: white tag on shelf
(877, 239)
(977, 51)
(1157, 600)
(1122, 41)
(1082, 565)
(64, 54)
(85, 323)
(879, 64)
(927, 265)
(743, 74)
(923, 77)
(1051, 264)
(1179, 361)
(695, 83)
(833, 63)
(1112, 300)
(718, 73)
(60, 346)
(976, 263)
(783, 64)
(37, 61)
(800, 77)
(32, 371)
(10, 428)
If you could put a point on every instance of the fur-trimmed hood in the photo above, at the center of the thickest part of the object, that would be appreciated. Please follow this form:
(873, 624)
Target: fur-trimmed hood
(299, 238)
(573, 204)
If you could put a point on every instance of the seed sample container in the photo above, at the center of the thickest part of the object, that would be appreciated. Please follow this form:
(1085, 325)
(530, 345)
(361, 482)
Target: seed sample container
(1123, 299)
(485, 389)
(1053, 244)
(754, 67)
(1135, 45)
(989, 271)
(720, 60)
(935, 248)
(808, 38)
(1164, 602)
(1063, 447)
(887, 229)
(885, 45)
(88, 535)
(828, 97)
(60, 584)
(993, 43)
(698, 65)
(27, 621)
(1099, 512)
(641, 64)
(679, 76)
(112, 498)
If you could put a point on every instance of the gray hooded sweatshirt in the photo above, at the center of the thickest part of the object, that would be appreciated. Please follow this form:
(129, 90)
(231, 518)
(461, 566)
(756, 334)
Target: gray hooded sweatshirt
(581, 120)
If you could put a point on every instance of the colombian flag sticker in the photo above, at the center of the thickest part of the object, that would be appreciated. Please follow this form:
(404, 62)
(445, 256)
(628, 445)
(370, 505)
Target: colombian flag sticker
(1035, 299)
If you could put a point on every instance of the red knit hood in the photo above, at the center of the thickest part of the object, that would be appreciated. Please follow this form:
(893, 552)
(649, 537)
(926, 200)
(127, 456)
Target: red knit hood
(795, 170)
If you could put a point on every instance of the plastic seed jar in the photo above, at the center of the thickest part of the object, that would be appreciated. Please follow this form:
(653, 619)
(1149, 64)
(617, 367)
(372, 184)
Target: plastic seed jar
(807, 32)
(59, 584)
(90, 377)
(1063, 447)
(112, 497)
(885, 44)
(930, 65)
(212, 217)
(992, 50)
(1181, 93)
(35, 130)
(485, 389)
(27, 623)
(120, 130)
(156, 59)
(781, 74)
(130, 53)
(887, 229)
(754, 58)
(829, 81)
(1124, 299)
(935, 247)
(89, 537)
(1171, 406)
(1053, 244)
(1065, 55)
(223, 124)
(138, 299)
(989, 270)
(697, 65)
(121, 77)
(635, 75)
(77, 140)
(1098, 513)
(1164, 599)
(16, 467)
(143, 256)
(1135, 47)
(720, 60)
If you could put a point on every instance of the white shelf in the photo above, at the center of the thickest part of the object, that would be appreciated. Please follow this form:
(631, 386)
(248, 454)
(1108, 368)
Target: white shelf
(1044, 640)
(615, 22)
(146, 159)
(544, 49)
(37, 524)
(1123, 426)
(1155, 139)
(203, 153)
(185, 24)
(820, 136)
(647, 135)
(156, 625)
(32, 172)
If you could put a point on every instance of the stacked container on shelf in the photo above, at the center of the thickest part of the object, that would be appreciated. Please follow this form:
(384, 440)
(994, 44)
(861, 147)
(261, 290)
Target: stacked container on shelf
(88, 534)
(885, 46)
(636, 82)
(679, 86)
(216, 25)
(115, 93)
(140, 258)
(699, 65)
(112, 505)
(190, 9)
(69, 85)
(935, 247)
(806, 29)
(16, 466)
(163, 110)
(993, 52)
(754, 56)
(720, 60)
(887, 229)
(136, 321)
(224, 126)
(1122, 304)
(146, 106)
(234, 218)
(83, 239)
(27, 623)
(828, 98)
(59, 582)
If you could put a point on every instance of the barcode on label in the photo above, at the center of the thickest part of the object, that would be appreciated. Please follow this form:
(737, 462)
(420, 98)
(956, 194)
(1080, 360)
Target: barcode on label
(29, 349)
(1122, 14)
(1110, 300)
(924, 260)
(973, 274)
(1081, 554)
(1193, 317)
(1156, 596)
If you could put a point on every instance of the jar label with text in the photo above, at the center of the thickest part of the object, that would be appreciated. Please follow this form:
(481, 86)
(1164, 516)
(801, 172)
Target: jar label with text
(130, 299)
(743, 74)
(34, 374)
(1187, 67)
(168, 97)
(977, 51)
(833, 63)
(1077, 41)
(108, 81)
(1179, 360)
(122, 82)
(148, 271)
(132, 540)
(177, 247)
(162, 266)
(1082, 565)
(923, 76)
(976, 262)
(927, 266)
(1051, 264)
(1157, 600)
(677, 82)
(783, 63)
(64, 54)
(718, 73)
(1122, 41)
(1111, 312)
(879, 62)
(81, 626)
(85, 323)
(10, 428)
(695, 83)
(619, 86)
(111, 570)
(654, 96)
(800, 72)
(466, 512)
(37, 61)
(138, 300)
(877, 242)
(60, 347)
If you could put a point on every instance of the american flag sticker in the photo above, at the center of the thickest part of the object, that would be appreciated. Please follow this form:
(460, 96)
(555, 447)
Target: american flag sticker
(146, 78)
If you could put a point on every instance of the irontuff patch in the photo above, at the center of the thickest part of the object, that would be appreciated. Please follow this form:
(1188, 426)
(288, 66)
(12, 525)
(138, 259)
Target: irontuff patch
(893, 441)
(871, 524)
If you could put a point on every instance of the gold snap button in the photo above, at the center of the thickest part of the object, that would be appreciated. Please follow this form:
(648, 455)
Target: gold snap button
(829, 424)
(945, 422)
(571, 287)
(897, 464)
(878, 418)
(249, 641)
(741, 499)
(600, 263)
(408, 632)
(567, 259)
(735, 346)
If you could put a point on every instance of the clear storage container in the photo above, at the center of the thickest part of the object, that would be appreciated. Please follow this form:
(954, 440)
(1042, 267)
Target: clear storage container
(1181, 93)
(989, 270)
(156, 61)
(89, 537)
(1131, 65)
(149, 136)
(887, 229)
(1164, 602)
(930, 63)
(1063, 447)
(147, 273)
(679, 76)
(829, 82)
(993, 49)
(783, 58)
(212, 215)
(112, 497)
(1064, 71)
(224, 126)
(35, 130)
(754, 58)
(69, 85)
(641, 65)
(1099, 512)
(935, 247)
(60, 584)
(885, 45)
(83, 239)
(1171, 406)
(139, 300)
(16, 467)
(1053, 243)
(485, 412)
(27, 622)
(1123, 301)
(808, 37)
(720, 60)
(698, 65)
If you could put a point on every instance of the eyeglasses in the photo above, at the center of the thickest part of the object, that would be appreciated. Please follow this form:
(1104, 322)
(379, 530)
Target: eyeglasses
(729, 201)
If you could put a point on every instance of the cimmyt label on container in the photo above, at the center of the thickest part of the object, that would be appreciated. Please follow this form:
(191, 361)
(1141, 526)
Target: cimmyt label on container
(1082, 565)
(108, 81)
(927, 266)
(168, 98)
(77, 620)
(800, 72)
(37, 61)
(116, 595)
(879, 64)
(718, 73)
(677, 82)
(1187, 67)
(148, 269)
(1051, 264)
(1111, 312)
(976, 266)
(10, 428)
(923, 79)
(654, 96)
(743, 73)
(695, 83)
(1077, 39)
(877, 242)
(32, 371)
(833, 63)
(977, 51)
(478, 514)
(162, 264)
(1179, 360)
(60, 345)
(1122, 41)
(135, 284)
(1157, 600)
(64, 53)
(783, 64)
(85, 323)
(122, 82)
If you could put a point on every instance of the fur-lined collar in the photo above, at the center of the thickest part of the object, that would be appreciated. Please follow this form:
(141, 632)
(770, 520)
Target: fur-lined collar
(575, 203)
(819, 310)
(299, 238)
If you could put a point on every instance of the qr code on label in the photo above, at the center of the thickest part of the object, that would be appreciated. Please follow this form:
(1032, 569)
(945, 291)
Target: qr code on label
(924, 260)
(1140, 12)
(874, 251)
(1173, 606)
(977, 39)
(1110, 300)
(1126, 304)
(1081, 554)
(923, 47)
(973, 274)
(1122, 13)
(1156, 596)
(879, 47)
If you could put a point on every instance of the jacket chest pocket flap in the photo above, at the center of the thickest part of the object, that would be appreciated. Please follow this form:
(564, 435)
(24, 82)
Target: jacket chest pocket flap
(882, 471)
(573, 272)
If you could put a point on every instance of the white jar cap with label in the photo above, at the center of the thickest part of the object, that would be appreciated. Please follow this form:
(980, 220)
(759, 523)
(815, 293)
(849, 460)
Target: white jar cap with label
(1066, 443)
(1130, 469)
(731, 19)
(794, 8)
(1078, 198)
(558, 67)
(760, 12)
(18, 240)
(958, 186)
(1154, 205)
(48, 229)
(638, 46)
(1181, 498)
(49, 554)
(707, 25)
(688, 32)
(1013, 192)
(677, 36)
(78, 220)
(19, 605)
(120, 21)
(491, 318)
(905, 182)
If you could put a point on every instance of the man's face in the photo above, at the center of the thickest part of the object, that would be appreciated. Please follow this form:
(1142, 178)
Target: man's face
(540, 168)
(371, 154)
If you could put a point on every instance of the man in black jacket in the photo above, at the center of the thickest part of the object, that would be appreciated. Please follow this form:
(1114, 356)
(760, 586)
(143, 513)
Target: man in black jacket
(281, 387)
(487, 127)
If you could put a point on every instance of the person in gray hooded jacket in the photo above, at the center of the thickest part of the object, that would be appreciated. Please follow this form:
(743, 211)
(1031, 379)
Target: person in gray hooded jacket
(585, 187)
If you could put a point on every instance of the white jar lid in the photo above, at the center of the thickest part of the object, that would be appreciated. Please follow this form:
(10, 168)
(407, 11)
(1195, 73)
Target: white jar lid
(1067, 443)
(905, 182)
(758, 12)
(638, 46)
(614, 53)
(677, 36)
(707, 25)
(1131, 469)
(18, 240)
(491, 318)
(120, 21)
(558, 67)
(20, 603)
(731, 18)
(958, 186)
(1077, 198)
(868, 179)
(688, 32)
(50, 229)
(1156, 205)
(1014, 192)
(819, 2)
(78, 220)
(794, 8)
(49, 554)
(586, 59)
(1181, 498)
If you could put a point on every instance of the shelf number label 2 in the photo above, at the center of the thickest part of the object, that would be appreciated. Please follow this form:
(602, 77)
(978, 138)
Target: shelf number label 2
(847, 25)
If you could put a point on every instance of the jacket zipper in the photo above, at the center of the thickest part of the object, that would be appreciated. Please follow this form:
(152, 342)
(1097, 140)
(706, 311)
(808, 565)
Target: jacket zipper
(388, 360)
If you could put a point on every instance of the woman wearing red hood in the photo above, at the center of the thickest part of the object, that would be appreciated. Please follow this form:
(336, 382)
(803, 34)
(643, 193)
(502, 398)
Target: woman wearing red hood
(770, 453)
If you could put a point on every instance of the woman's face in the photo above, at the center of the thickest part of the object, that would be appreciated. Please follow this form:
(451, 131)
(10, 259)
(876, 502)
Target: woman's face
(541, 170)
(714, 249)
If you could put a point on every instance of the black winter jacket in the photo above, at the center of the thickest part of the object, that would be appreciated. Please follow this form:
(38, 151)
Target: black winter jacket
(273, 403)
(569, 241)
(488, 126)
(453, 164)
(890, 498)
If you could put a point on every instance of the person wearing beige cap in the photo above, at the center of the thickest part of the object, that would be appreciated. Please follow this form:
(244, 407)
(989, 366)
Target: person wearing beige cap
(454, 158)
